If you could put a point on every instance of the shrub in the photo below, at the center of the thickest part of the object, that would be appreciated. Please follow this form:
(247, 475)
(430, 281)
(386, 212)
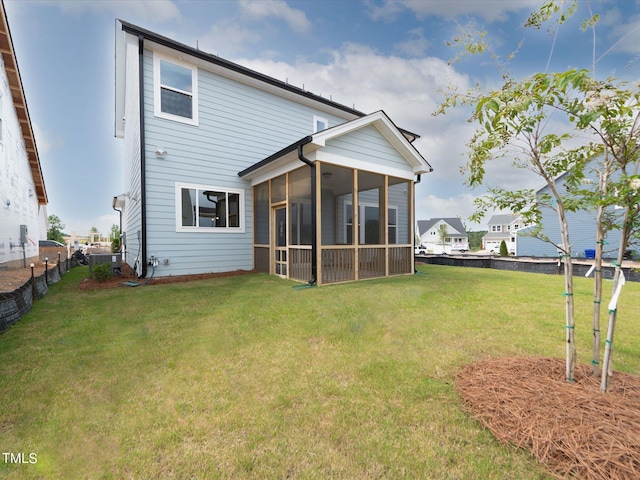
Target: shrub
(101, 272)
(503, 249)
(115, 245)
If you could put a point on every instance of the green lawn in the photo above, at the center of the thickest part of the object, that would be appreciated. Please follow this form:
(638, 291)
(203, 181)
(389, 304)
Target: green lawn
(247, 377)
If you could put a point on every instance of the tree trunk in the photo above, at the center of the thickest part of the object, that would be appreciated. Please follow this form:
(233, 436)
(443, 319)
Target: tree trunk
(597, 276)
(571, 352)
(607, 363)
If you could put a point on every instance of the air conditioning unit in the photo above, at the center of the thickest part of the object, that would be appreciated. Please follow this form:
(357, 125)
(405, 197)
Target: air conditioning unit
(115, 259)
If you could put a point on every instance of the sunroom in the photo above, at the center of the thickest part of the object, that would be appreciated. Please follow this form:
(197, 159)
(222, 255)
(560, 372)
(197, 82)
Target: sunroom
(337, 206)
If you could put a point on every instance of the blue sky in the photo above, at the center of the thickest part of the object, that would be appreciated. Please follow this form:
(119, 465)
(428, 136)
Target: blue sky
(371, 54)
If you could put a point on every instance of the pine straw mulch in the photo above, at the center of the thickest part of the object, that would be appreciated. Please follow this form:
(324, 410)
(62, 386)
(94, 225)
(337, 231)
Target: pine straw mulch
(572, 428)
(127, 274)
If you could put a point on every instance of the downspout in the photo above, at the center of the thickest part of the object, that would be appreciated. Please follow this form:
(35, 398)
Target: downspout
(314, 216)
(122, 248)
(113, 205)
(143, 171)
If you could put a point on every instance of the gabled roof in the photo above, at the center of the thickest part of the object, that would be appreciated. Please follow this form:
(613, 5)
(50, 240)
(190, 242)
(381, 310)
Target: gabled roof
(235, 71)
(504, 219)
(454, 222)
(20, 105)
(378, 119)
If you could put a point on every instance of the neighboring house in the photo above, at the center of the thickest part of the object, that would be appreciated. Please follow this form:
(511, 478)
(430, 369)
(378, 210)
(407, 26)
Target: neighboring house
(582, 228)
(228, 169)
(23, 197)
(456, 239)
(499, 228)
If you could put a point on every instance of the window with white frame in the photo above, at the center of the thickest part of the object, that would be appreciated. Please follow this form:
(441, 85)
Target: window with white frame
(176, 90)
(319, 124)
(369, 212)
(496, 228)
(203, 208)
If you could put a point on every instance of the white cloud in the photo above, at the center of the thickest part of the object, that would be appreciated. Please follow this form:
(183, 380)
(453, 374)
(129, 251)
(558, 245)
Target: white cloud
(228, 38)
(415, 46)
(44, 142)
(624, 35)
(432, 206)
(296, 19)
(490, 10)
(150, 10)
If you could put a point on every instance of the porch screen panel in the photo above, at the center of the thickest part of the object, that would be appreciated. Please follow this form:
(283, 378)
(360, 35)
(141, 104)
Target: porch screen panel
(370, 188)
(300, 228)
(399, 212)
(337, 205)
(279, 189)
(261, 214)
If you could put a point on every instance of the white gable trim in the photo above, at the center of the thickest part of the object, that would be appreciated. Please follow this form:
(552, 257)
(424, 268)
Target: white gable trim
(387, 128)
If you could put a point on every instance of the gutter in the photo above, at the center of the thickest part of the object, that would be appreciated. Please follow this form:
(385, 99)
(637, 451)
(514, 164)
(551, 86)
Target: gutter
(275, 156)
(314, 216)
(143, 160)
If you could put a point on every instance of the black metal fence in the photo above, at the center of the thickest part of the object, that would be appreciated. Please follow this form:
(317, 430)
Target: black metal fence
(13, 305)
(532, 265)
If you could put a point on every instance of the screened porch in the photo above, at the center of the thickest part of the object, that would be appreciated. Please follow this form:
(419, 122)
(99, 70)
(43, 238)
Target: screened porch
(364, 225)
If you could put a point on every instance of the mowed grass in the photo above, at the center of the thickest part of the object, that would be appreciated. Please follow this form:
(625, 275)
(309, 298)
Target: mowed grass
(247, 377)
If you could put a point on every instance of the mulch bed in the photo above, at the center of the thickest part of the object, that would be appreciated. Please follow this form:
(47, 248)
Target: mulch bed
(129, 275)
(572, 428)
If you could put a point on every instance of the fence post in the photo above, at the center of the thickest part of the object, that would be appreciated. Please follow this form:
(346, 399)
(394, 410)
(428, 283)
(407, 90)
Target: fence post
(33, 286)
(59, 272)
(46, 270)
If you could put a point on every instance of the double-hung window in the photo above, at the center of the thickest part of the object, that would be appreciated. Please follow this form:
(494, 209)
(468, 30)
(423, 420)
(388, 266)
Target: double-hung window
(203, 208)
(176, 90)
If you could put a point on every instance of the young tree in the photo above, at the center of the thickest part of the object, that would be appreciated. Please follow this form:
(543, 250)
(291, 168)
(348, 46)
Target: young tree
(503, 249)
(519, 112)
(55, 229)
(512, 122)
(612, 112)
(442, 235)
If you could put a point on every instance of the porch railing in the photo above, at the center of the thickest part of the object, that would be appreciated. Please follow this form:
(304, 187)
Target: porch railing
(371, 262)
(400, 260)
(300, 263)
(338, 264)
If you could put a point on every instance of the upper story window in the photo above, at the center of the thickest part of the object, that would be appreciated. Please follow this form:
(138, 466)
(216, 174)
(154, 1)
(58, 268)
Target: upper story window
(496, 228)
(319, 124)
(176, 90)
(202, 208)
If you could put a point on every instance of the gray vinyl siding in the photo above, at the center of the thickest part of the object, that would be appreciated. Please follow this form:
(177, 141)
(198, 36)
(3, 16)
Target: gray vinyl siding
(582, 234)
(238, 126)
(369, 145)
